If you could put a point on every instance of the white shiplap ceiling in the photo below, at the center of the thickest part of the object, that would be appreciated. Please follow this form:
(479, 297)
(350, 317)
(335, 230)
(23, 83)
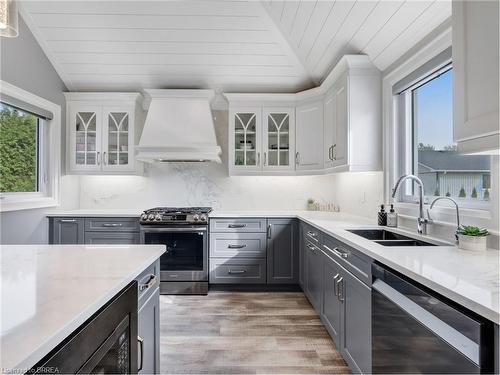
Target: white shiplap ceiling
(321, 32)
(280, 46)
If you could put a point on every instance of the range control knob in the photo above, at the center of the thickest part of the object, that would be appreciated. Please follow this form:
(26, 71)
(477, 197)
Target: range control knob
(144, 217)
(151, 217)
(203, 217)
(196, 217)
(157, 217)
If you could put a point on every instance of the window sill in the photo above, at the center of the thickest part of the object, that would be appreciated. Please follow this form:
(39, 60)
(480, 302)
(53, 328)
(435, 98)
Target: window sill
(7, 205)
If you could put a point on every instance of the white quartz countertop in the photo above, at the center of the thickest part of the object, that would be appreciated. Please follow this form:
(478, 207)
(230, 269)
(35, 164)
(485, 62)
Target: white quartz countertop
(96, 213)
(48, 291)
(468, 278)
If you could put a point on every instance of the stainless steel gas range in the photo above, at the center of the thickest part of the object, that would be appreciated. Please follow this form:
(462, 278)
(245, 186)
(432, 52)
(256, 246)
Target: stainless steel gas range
(184, 231)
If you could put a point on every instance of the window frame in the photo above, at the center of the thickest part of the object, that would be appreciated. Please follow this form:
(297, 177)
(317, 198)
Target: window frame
(407, 193)
(443, 213)
(49, 158)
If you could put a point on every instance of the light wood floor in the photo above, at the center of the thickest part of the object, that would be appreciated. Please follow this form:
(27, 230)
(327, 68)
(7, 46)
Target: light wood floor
(245, 333)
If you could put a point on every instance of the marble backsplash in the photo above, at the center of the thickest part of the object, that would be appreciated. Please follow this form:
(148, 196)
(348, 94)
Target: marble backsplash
(183, 184)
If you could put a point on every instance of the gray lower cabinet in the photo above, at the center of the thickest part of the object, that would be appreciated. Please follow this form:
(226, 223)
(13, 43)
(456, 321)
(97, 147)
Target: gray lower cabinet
(237, 271)
(332, 305)
(302, 257)
(238, 245)
(356, 342)
(66, 230)
(111, 238)
(314, 276)
(148, 328)
(282, 252)
(149, 332)
(92, 230)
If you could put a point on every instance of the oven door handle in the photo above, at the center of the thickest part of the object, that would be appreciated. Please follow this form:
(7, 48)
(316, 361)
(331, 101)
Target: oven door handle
(166, 230)
(441, 329)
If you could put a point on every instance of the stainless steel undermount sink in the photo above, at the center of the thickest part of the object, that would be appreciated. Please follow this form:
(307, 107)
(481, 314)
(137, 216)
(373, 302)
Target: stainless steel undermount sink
(388, 238)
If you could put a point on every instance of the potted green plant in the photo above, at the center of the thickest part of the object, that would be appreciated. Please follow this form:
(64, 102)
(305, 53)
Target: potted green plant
(310, 204)
(472, 238)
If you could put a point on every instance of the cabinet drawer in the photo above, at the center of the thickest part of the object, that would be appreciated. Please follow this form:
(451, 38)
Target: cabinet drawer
(238, 225)
(147, 282)
(312, 234)
(112, 238)
(229, 245)
(237, 271)
(353, 260)
(118, 224)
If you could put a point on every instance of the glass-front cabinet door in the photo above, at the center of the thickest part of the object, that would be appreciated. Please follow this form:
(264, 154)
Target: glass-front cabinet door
(85, 138)
(117, 139)
(279, 140)
(245, 131)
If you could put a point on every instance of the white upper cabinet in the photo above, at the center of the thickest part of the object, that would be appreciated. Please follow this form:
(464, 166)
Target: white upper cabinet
(353, 117)
(475, 31)
(332, 128)
(261, 134)
(101, 132)
(309, 143)
(279, 138)
(245, 135)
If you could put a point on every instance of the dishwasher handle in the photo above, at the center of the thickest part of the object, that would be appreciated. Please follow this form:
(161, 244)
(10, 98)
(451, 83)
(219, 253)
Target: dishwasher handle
(453, 337)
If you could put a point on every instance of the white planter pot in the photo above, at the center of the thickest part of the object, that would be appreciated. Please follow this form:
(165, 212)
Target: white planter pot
(472, 243)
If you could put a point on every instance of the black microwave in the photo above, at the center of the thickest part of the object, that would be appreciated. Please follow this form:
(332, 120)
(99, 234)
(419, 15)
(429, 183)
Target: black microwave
(105, 344)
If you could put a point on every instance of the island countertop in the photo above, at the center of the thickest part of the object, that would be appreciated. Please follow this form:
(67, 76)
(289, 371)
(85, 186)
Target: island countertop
(48, 291)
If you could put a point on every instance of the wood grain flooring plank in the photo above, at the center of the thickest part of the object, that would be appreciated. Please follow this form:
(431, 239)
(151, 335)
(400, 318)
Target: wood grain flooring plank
(245, 333)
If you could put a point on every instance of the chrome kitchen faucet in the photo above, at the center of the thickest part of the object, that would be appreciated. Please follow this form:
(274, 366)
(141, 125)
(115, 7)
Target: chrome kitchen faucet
(421, 221)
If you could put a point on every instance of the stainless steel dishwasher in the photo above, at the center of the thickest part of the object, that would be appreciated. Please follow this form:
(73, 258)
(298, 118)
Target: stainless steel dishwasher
(415, 330)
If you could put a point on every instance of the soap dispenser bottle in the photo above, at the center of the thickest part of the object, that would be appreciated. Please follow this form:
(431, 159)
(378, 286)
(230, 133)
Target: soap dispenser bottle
(392, 218)
(382, 216)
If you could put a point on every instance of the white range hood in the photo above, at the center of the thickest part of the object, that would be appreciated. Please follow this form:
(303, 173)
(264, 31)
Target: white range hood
(178, 127)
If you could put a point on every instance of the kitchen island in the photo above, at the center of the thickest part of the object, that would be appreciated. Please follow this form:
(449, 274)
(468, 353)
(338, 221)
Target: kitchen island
(49, 291)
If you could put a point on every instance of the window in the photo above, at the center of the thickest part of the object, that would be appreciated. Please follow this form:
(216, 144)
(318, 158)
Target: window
(429, 150)
(30, 141)
(19, 150)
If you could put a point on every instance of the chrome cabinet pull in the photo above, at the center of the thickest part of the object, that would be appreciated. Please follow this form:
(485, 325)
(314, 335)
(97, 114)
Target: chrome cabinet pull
(98, 158)
(313, 235)
(265, 159)
(149, 283)
(236, 246)
(112, 225)
(67, 220)
(334, 156)
(140, 340)
(269, 229)
(330, 153)
(312, 248)
(335, 284)
(258, 159)
(297, 159)
(237, 272)
(340, 289)
(342, 254)
(236, 225)
(105, 158)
